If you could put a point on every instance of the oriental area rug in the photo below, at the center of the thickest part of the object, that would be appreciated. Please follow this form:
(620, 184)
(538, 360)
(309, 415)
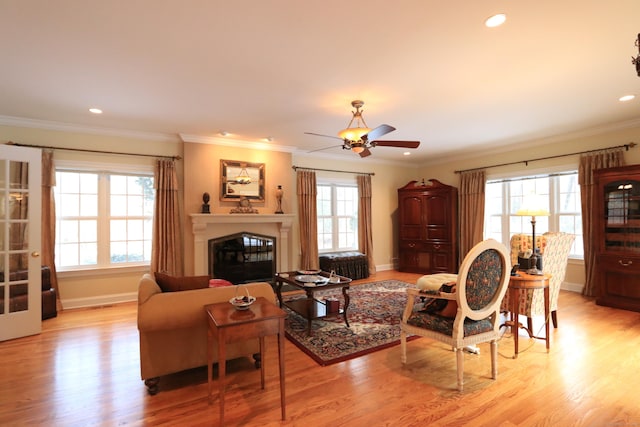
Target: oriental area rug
(374, 316)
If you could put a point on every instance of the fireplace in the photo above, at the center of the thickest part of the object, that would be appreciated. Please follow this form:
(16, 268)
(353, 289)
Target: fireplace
(243, 258)
(206, 227)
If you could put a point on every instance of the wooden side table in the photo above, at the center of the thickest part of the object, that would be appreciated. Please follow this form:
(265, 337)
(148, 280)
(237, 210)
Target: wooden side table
(228, 324)
(524, 281)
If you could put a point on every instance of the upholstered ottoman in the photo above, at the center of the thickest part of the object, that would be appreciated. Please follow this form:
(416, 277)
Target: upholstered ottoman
(433, 282)
(353, 265)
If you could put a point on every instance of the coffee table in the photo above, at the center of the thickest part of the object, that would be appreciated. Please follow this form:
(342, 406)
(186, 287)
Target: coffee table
(311, 308)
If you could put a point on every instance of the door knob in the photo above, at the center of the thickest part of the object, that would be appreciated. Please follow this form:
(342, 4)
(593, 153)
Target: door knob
(35, 254)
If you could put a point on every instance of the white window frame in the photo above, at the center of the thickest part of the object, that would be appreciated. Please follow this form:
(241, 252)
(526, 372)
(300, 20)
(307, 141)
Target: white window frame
(334, 183)
(543, 224)
(104, 214)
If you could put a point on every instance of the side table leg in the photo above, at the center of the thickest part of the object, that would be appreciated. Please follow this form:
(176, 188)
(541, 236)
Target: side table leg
(262, 364)
(209, 362)
(546, 316)
(222, 362)
(515, 320)
(345, 293)
(281, 362)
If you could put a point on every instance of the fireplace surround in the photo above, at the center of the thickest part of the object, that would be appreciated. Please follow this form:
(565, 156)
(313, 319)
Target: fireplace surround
(206, 227)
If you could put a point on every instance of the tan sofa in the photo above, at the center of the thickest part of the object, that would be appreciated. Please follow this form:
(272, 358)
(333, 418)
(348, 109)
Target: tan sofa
(173, 328)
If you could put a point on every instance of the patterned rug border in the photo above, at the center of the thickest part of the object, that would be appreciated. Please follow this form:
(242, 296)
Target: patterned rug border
(306, 343)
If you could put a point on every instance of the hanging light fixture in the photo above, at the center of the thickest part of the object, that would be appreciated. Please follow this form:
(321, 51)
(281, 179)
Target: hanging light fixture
(243, 177)
(354, 131)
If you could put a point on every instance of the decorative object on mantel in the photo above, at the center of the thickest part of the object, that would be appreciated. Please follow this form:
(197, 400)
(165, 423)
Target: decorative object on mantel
(241, 179)
(279, 194)
(244, 206)
(205, 205)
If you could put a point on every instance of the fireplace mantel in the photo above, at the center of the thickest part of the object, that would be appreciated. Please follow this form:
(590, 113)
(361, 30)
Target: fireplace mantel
(211, 226)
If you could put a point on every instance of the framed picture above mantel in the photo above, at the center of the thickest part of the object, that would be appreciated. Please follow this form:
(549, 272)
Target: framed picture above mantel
(241, 180)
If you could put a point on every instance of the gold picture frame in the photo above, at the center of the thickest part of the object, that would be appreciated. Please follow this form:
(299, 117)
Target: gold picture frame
(241, 180)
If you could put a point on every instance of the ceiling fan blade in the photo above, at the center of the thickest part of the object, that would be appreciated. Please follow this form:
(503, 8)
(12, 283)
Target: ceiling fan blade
(402, 144)
(324, 148)
(378, 132)
(365, 153)
(326, 136)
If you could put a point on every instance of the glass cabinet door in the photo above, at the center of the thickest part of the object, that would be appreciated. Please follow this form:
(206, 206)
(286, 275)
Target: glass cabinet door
(622, 216)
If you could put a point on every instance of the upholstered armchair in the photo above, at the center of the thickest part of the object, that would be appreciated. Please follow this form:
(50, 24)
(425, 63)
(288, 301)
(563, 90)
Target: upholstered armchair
(481, 284)
(554, 248)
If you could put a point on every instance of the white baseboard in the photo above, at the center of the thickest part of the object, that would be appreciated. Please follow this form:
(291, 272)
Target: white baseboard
(98, 301)
(573, 287)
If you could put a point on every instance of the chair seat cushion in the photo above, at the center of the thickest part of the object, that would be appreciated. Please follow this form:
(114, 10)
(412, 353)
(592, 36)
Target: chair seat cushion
(444, 325)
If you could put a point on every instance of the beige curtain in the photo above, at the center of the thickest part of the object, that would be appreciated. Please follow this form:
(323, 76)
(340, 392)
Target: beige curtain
(365, 229)
(49, 221)
(472, 185)
(588, 163)
(166, 251)
(308, 219)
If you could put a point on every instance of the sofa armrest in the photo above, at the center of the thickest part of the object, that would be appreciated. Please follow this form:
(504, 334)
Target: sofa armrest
(147, 287)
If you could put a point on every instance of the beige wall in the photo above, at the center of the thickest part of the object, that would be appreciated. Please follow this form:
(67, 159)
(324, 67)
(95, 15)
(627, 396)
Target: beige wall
(200, 172)
(445, 170)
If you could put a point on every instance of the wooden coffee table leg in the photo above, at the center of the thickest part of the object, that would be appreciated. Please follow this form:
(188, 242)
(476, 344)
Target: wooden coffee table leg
(310, 303)
(345, 293)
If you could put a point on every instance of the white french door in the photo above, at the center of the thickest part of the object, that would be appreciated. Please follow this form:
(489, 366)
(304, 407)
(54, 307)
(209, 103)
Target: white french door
(20, 227)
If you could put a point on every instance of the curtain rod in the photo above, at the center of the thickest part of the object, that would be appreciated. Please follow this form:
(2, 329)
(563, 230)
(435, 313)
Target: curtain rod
(93, 151)
(526, 162)
(295, 168)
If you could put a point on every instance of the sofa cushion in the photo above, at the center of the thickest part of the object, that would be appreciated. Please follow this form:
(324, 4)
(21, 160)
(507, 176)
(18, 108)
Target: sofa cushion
(174, 284)
(217, 283)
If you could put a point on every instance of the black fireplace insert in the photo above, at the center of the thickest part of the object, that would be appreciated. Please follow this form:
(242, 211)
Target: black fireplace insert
(243, 257)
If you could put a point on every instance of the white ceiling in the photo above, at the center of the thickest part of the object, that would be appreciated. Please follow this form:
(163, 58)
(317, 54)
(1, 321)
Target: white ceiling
(279, 68)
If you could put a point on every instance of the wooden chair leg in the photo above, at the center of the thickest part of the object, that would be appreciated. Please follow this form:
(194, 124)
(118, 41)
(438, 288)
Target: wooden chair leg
(554, 318)
(530, 325)
(460, 363)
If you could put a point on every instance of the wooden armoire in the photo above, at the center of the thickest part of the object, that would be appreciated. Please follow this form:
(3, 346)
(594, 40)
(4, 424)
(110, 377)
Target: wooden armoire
(616, 214)
(428, 227)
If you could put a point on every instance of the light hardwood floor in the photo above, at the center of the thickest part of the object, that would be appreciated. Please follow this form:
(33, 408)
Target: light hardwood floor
(84, 370)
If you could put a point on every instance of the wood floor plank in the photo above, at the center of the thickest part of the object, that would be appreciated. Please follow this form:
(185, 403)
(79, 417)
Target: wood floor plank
(83, 369)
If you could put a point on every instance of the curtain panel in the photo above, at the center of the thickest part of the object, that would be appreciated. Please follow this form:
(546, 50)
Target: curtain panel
(49, 220)
(589, 162)
(365, 228)
(166, 248)
(308, 219)
(472, 194)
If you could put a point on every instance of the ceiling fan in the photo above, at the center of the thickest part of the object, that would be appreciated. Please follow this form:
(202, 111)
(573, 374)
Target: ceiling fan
(359, 138)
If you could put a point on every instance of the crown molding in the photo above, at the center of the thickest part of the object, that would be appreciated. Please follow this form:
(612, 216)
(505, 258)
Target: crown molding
(236, 143)
(497, 148)
(92, 130)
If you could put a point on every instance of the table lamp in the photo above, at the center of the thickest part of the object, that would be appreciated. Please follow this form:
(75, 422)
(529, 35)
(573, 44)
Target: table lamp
(528, 209)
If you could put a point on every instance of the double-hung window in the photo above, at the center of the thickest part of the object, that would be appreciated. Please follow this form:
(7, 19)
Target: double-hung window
(558, 193)
(103, 219)
(337, 206)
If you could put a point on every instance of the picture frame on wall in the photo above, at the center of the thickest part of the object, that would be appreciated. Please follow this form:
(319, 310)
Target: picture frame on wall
(241, 180)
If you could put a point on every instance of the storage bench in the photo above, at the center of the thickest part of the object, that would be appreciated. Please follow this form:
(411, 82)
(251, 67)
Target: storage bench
(353, 265)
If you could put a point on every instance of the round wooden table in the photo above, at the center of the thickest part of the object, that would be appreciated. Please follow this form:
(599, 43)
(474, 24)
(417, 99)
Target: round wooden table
(524, 281)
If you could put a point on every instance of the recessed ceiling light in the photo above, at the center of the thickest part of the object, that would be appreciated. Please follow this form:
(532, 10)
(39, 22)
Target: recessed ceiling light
(269, 139)
(95, 110)
(626, 98)
(224, 133)
(495, 20)
(406, 153)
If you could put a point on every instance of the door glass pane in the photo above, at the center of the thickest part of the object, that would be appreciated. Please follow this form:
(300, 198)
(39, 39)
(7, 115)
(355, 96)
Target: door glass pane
(19, 175)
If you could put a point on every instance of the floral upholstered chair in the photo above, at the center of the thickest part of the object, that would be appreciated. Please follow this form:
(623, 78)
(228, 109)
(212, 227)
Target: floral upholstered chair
(555, 249)
(481, 283)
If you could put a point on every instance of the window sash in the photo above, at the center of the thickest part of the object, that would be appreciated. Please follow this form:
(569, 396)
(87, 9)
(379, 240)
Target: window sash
(337, 207)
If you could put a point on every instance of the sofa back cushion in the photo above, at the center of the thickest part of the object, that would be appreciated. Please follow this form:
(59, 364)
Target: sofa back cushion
(174, 284)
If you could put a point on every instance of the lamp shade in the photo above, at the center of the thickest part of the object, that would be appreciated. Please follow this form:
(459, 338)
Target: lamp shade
(532, 206)
(353, 134)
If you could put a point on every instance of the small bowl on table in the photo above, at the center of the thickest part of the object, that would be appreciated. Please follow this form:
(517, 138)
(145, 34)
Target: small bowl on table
(242, 302)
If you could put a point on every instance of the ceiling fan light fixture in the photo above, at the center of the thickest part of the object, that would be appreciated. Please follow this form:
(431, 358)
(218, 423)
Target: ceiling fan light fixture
(358, 148)
(353, 134)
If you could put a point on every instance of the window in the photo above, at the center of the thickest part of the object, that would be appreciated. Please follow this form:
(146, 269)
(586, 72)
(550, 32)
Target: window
(558, 193)
(337, 217)
(103, 219)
